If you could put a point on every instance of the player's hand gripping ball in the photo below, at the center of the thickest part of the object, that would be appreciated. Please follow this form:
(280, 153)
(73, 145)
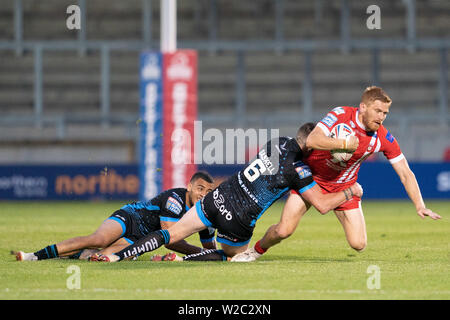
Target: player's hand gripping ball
(341, 131)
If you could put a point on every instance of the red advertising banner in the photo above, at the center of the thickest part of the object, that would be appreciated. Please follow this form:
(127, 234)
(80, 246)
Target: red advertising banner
(180, 112)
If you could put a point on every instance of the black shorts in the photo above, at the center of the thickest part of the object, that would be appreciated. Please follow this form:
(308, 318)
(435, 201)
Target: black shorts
(216, 212)
(133, 228)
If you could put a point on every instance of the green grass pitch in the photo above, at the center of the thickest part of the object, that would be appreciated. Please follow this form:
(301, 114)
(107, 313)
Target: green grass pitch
(412, 256)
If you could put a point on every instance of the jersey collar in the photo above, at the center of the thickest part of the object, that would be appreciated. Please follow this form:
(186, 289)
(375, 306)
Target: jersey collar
(186, 200)
(362, 126)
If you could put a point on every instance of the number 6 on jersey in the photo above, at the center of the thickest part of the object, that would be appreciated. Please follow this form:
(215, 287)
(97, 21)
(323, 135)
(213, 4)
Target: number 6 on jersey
(254, 170)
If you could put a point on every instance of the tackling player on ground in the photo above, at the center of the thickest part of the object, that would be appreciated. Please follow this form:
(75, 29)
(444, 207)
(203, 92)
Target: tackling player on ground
(332, 176)
(234, 207)
(133, 222)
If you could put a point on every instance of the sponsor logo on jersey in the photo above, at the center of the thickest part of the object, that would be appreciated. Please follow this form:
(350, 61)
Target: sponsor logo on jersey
(219, 203)
(338, 110)
(173, 206)
(265, 159)
(220, 235)
(244, 187)
(281, 147)
(329, 120)
(303, 171)
(390, 137)
(175, 195)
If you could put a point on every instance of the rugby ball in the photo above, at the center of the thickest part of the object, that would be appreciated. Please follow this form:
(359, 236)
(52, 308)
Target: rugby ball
(341, 131)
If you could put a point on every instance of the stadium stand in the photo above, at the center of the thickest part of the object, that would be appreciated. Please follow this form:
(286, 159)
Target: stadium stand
(254, 62)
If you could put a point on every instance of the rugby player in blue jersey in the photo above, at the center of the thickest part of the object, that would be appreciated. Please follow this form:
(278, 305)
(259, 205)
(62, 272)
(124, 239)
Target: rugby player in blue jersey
(133, 222)
(234, 207)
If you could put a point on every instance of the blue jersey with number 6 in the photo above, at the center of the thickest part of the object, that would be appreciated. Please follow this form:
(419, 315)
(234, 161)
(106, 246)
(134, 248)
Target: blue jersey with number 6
(276, 169)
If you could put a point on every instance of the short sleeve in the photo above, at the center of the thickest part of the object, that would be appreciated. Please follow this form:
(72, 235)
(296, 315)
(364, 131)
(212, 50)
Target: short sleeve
(335, 116)
(171, 210)
(303, 180)
(391, 148)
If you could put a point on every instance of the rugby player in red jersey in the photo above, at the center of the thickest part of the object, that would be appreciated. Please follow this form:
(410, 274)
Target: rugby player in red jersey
(333, 176)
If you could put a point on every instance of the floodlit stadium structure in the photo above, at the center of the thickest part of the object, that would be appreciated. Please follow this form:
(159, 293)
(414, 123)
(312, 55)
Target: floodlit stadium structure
(70, 96)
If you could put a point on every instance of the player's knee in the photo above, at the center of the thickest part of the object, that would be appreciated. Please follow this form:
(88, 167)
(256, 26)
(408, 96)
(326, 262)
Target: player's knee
(98, 241)
(283, 233)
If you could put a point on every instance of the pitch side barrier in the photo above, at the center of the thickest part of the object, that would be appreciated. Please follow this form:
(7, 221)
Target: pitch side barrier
(121, 182)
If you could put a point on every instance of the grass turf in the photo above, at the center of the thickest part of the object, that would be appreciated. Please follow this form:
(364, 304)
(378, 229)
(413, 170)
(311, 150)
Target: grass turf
(315, 263)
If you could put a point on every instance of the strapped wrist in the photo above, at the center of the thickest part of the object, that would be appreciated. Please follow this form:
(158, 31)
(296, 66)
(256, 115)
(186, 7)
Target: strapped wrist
(351, 192)
(344, 144)
(346, 194)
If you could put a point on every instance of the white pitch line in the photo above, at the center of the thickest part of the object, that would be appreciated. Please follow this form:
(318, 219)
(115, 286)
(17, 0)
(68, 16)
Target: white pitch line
(273, 291)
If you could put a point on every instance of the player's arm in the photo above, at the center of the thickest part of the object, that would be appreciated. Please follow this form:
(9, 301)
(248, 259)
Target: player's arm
(181, 246)
(326, 202)
(209, 245)
(207, 238)
(318, 139)
(305, 185)
(409, 181)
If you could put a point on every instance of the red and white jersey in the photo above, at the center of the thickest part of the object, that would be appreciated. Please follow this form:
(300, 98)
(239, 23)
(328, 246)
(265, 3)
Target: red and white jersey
(333, 175)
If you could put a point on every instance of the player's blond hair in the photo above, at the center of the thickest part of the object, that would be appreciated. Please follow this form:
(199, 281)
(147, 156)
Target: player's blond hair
(373, 93)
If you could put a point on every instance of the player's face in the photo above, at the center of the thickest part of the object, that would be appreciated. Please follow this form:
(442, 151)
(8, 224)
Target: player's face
(198, 189)
(373, 114)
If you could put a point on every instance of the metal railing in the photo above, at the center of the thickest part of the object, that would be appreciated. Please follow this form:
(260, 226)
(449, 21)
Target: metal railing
(345, 43)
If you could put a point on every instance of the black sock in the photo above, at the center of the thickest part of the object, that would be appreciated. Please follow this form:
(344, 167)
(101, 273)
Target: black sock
(48, 252)
(75, 255)
(207, 255)
(151, 242)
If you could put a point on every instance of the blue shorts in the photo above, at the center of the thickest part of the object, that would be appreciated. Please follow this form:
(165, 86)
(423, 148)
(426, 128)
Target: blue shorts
(132, 228)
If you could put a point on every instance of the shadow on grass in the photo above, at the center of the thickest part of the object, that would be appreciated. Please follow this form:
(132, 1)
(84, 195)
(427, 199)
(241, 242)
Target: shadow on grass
(308, 259)
(145, 263)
